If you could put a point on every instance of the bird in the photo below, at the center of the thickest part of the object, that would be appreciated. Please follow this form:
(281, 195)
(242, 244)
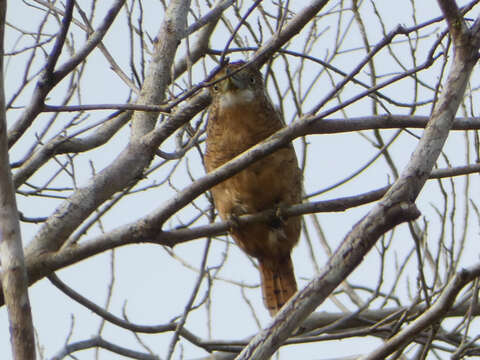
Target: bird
(240, 116)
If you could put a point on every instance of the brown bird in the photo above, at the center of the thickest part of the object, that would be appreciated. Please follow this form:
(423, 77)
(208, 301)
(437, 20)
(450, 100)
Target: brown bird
(240, 116)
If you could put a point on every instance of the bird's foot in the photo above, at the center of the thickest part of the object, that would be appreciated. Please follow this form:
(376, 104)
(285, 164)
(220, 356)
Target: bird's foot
(278, 219)
(234, 222)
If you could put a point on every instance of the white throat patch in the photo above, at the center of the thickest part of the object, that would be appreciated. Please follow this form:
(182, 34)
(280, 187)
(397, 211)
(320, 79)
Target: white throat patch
(232, 98)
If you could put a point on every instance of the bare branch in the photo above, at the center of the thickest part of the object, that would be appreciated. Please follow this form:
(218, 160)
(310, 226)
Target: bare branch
(104, 344)
(14, 275)
(48, 81)
(398, 200)
(362, 81)
(431, 316)
(291, 29)
(135, 157)
(172, 31)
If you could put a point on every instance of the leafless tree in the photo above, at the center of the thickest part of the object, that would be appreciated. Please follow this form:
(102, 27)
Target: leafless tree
(105, 104)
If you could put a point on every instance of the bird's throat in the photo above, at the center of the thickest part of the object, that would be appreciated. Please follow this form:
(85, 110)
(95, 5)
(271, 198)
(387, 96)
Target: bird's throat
(236, 97)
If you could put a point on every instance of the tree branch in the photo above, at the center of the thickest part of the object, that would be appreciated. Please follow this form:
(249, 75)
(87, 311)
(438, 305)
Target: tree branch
(98, 342)
(433, 315)
(14, 276)
(396, 207)
(137, 155)
(292, 28)
(49, 80)
(172, 31)
(141, 232)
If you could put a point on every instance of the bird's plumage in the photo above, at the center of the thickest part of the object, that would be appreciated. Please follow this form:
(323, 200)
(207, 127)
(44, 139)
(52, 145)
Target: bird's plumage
(240, 116)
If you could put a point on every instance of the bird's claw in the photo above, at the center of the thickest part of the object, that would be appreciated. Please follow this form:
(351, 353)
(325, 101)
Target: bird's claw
(278, 218)
(234, 222)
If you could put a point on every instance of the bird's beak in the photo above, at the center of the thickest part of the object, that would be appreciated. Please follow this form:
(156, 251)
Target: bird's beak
(234, 83)
(230, 84)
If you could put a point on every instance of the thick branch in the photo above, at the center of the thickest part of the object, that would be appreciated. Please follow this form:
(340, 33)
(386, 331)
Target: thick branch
(456, 25)
(172, 31)
(203, 38)
(14, 275)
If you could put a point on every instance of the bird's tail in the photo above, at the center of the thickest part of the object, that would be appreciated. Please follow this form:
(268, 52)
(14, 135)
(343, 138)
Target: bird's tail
(278, 283)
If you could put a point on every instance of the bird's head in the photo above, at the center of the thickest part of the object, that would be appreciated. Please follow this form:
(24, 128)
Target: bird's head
(241, 87)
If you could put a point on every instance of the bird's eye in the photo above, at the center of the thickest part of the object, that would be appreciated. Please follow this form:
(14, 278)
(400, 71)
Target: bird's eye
(216, 87)
(252, 80)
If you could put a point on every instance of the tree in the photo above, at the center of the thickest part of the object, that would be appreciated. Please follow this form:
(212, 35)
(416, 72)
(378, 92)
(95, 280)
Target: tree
(105, 105)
